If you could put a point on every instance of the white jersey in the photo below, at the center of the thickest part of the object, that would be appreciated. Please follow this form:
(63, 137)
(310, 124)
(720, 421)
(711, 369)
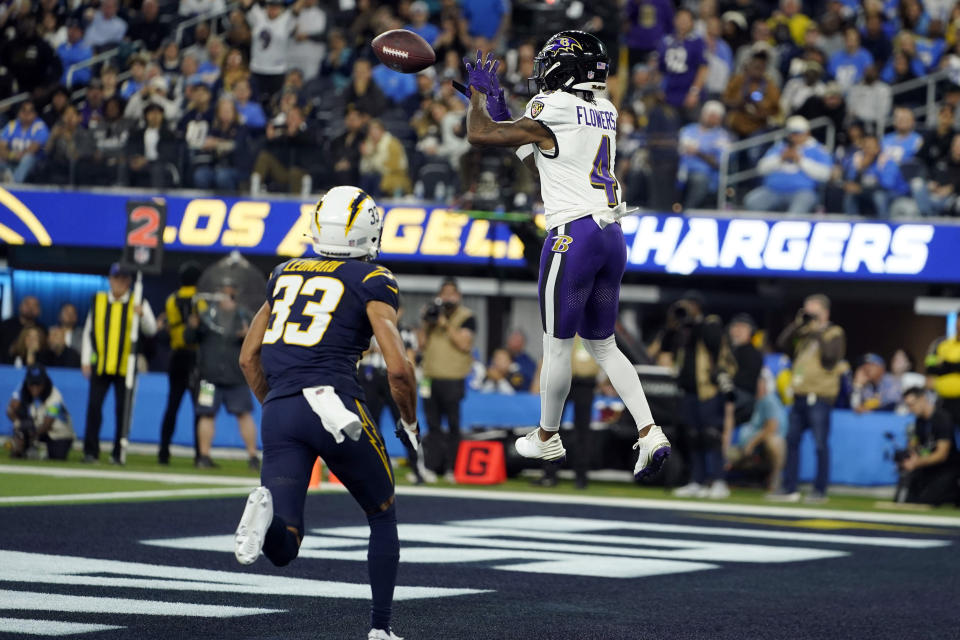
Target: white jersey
(268, 51)
(576, 176)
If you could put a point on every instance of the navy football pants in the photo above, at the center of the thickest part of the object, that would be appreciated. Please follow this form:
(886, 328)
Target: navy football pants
(293, 437)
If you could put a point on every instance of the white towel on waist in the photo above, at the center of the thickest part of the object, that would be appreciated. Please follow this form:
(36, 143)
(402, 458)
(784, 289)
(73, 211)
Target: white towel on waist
(336, 418)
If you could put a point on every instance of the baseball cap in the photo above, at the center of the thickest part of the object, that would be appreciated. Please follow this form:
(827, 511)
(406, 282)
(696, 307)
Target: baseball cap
(744, 318)
(797, 124)
(873, 358)
(117, 269)
(150, 106)
(36, 375)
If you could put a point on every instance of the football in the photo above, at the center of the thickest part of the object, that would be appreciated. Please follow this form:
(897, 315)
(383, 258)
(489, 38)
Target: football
(403, 51)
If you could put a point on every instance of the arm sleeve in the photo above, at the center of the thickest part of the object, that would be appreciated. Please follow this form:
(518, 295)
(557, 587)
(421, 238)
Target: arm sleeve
(148, 321)
(771, 160)
(380, 285)
(86, 350)
(816, 164)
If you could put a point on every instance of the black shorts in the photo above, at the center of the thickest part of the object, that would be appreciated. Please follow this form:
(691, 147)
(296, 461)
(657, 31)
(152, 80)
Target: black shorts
(236, 399)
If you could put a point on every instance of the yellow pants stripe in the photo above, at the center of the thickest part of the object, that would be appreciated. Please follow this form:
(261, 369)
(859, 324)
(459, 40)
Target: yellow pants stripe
(100, 330)
(113, 338)
(127, 338)
(374, 437)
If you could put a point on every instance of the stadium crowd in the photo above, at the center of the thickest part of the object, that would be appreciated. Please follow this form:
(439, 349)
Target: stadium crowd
(289, 97)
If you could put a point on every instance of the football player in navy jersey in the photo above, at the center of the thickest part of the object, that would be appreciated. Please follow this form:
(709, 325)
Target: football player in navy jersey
(300, 359)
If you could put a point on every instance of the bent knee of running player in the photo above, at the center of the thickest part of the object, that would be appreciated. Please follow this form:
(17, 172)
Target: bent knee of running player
(288, 461)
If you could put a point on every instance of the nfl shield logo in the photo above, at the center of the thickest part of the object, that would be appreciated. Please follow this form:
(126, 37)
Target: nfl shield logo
(536, 109)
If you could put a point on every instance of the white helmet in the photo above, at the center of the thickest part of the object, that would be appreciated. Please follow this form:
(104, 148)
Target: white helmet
(347, 224)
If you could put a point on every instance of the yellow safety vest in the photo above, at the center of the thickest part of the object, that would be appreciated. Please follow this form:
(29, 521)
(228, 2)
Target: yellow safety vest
(179, 307)
(112, 323)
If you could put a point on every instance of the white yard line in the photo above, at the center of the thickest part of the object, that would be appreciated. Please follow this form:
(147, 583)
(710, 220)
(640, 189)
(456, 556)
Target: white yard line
(685, 505)
(172, 478)
(245, 484)
(124, 495)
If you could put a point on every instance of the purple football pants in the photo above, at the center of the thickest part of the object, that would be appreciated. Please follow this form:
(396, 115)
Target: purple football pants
(581, 266)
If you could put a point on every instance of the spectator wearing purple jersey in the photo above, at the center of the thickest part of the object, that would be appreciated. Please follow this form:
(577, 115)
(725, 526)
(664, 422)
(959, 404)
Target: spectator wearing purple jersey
(683, 63)
(701, 149)
(648, 21)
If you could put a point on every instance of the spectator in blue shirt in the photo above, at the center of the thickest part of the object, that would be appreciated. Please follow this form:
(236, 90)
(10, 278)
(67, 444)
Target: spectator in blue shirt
(138, 72)
(871, 181)
(683, 63)
(251, 113)
(485, 18)
(848, 65)
(395, 85)
(522, 366)
(903, 143)
(419, 22)
(21, 144)
(106, 28)
(764, 434)
(701, 149)
(72, 52)
(873, 388)
(906, 46)
(792, 170)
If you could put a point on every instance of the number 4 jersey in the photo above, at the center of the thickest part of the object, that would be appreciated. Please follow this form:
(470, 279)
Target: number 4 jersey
(318, 327)
(576, 176)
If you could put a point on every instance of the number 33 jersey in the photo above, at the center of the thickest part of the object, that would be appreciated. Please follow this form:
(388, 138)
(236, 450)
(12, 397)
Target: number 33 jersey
(318, 327)
(576, 176)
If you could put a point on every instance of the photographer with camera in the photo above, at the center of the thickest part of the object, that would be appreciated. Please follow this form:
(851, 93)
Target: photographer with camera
(704, 369)
(817, 346)
(447, 336)
(931, 463)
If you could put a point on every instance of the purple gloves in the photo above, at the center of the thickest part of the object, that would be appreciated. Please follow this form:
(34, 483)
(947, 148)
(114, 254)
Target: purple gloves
(482, 76)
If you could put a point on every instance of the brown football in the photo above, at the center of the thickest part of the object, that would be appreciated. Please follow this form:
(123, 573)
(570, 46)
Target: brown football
(403, 51)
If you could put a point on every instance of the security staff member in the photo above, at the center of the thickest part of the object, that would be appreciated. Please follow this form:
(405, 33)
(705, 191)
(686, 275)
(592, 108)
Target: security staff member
(448, 334)
(106, 349)
(183, 357)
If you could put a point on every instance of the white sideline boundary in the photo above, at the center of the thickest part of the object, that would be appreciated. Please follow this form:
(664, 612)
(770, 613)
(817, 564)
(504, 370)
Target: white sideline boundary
(236, 485)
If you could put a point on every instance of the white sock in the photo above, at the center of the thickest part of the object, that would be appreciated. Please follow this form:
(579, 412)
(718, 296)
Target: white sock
(555, 377)
(623, 377)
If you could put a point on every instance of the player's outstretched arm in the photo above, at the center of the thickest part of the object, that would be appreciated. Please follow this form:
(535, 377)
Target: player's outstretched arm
(250, 354)
(403, 382)
(482, 130)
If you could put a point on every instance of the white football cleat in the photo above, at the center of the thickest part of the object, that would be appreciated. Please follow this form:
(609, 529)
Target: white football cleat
(531, 446)
(654, 451)
(380, 634)
(253, 526)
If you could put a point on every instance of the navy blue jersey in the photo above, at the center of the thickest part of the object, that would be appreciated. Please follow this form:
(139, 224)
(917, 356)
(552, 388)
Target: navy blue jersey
(318, 327)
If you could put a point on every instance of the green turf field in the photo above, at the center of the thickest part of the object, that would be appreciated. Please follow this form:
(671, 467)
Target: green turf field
(169, 482)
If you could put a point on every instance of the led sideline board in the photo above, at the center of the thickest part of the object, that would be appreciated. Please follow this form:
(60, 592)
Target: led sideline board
(821, 247)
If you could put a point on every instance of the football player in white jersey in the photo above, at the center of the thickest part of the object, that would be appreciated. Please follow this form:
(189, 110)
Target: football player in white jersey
(570, 129)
